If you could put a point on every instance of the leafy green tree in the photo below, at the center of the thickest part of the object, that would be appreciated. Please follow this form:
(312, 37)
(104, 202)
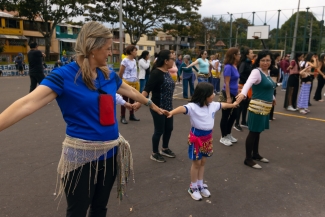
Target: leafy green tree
(49, 11)
(141, 17)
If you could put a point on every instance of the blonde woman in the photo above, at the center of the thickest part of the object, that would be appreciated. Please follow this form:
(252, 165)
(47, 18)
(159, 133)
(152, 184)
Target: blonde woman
(82, 89)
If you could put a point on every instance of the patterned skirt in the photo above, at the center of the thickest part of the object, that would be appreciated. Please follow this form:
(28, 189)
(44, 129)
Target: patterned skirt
(303, 97)
(202, 145)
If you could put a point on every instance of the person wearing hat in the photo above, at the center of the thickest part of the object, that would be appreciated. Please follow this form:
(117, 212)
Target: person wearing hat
(35, 59)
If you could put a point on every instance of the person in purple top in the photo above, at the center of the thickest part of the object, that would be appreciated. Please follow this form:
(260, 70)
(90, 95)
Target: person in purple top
(230, 90)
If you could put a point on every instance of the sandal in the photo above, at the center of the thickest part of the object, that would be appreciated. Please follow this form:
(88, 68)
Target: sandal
(302, 111)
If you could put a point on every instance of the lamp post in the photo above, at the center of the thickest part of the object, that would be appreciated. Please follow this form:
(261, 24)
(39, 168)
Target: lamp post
(293, 48)
(230, 29)
(121, 28)
(305, 32)
(236, 36)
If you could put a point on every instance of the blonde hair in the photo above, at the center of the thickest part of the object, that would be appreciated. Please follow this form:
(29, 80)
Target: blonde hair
(93, 35)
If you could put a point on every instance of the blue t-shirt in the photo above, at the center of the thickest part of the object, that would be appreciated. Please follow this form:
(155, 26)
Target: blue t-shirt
(233, 73)
(79, 104)
(203, 66)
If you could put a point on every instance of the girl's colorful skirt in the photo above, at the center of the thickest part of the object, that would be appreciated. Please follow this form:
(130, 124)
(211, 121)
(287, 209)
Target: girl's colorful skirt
(200, 144)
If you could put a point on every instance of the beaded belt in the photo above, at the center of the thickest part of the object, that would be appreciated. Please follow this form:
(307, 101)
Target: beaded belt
(260, 107)
(202, 75)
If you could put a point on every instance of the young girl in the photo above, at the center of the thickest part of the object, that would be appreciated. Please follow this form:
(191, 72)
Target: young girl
(201, 110)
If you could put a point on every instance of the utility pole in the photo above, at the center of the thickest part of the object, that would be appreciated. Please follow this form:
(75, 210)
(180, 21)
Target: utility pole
(253, 25)
(285, 44)
(230, 30)
(236, 36)
(121, 29)
(321, 33)
(277, 31)
(310, 33)
(305, 32)
(293, 48)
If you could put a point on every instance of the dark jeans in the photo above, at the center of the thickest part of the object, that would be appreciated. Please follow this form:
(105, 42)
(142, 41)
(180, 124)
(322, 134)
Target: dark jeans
(131, 101)
(163, 127)
(227, 119)
(242, 111)
(187, 82)
(252, 143)
(143, 82)
(94, 195)
(216, 84)
(320, 85)
(35, 79)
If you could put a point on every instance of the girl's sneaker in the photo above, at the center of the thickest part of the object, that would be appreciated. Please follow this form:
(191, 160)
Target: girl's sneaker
(204, 191)
(195, 194)
(307, 110)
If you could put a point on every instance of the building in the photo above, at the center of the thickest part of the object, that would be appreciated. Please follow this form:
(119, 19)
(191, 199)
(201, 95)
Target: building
(11, 37)
(145, 43)
(169, 42)
(66, 36)
(116, 56)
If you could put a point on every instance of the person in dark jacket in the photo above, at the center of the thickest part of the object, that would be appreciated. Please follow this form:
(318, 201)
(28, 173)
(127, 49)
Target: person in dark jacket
(245, 69)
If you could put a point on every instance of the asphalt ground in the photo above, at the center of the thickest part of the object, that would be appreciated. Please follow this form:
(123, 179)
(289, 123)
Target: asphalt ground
(292, 184)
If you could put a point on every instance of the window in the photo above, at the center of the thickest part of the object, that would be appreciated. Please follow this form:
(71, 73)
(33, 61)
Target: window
(151, 38)
(169, 38)
(12, 23)
(14, 42)
(148, 48)
(34, 26)
(2, 41)
(63, 29)
(140, 47)
(162, 47)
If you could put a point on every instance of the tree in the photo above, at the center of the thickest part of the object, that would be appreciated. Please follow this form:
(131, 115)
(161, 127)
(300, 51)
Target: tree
(141, 17)
(49, 11)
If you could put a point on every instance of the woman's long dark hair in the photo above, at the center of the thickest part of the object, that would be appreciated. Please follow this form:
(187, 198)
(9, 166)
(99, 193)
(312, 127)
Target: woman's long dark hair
(202, 91)
(161, 57)
(144, 54)
(296, 59)
(244, 51)
(308, 58)
(201, 53)
(322, 62)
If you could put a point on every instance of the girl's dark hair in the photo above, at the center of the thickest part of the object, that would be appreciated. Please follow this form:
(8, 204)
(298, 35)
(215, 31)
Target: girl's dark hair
(276, 55)
(308, 58)
(200, 54)
(244, 51)
(202, 91)
(161, 57)
(261, 55)
(144, 54)
(130, 48)
(296, 59)
(230, 56)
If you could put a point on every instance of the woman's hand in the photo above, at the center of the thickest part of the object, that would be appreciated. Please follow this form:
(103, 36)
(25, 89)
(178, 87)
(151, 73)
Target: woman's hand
(136, 106)
(229, 100)
(240, 97)
(274, 102)
(167, 113)
(128, 106)
(156, 109)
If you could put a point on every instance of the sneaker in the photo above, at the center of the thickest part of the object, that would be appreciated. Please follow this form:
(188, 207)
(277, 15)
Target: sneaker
(244, 125)
(204, 191)
(290, 108)
(238, 127)
(262, 159)
(195, 194)
(225, 141)
(302, 111)
(157, 157)
(307, 110)
(231, 138)
(167, 153)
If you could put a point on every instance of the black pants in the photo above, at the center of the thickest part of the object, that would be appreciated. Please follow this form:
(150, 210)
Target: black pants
(163, 127)
(228, 118)
(35, 79)
(252, 142)
(97, 196)
(242, 111)
(311, 87)
(320, 85)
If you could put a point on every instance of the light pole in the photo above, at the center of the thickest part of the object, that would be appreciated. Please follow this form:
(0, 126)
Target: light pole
(293, 48)
(310, 34)
(305, 32)
(121, 29)
(230, 29)
(236, 36)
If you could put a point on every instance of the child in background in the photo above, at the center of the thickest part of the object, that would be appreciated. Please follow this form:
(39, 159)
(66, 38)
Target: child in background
(201, 110)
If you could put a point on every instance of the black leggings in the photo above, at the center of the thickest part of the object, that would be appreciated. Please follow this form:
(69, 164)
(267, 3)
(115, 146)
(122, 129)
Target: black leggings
(227, 119)
(163, 127)
(252, 142)
(94, 195)
(242, 111)
(320, 85)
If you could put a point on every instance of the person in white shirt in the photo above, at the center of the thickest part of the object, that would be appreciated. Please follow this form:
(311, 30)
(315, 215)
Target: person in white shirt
(144, 69)
(128, 72)
(202, 110)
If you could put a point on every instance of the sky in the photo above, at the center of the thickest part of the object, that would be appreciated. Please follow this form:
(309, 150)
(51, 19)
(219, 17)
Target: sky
(244, 9)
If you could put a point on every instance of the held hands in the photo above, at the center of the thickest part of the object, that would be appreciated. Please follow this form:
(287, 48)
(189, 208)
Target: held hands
(136, 106)
(240, 97)
(167, 113)
(128, 106)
